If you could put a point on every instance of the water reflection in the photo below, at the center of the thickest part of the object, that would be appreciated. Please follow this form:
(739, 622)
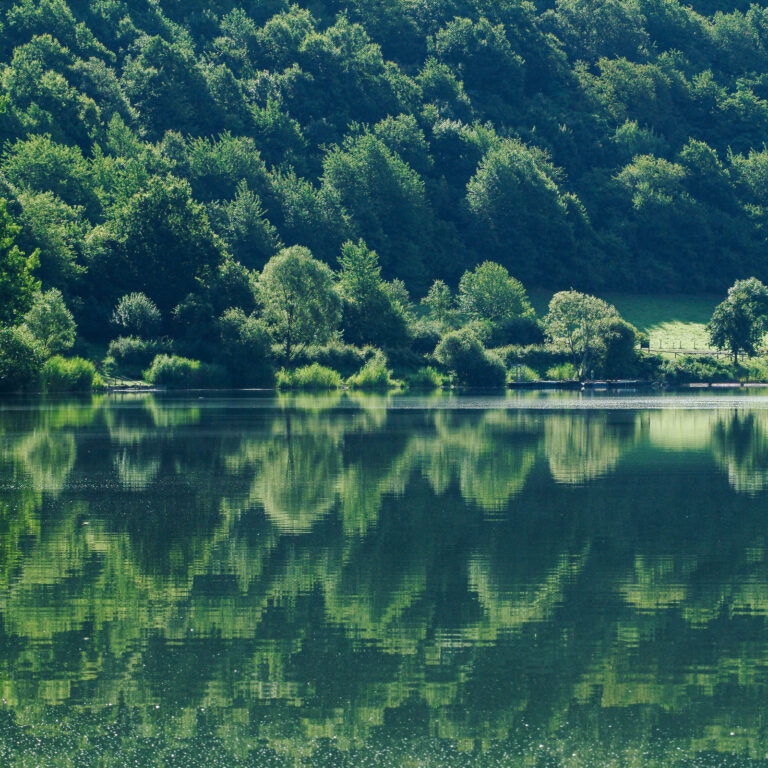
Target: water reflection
(343, 581)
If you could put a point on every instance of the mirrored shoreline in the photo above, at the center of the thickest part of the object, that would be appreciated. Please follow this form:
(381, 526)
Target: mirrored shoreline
(349, 580)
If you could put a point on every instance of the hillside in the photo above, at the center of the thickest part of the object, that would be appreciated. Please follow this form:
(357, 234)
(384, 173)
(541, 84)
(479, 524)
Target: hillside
(165, 145)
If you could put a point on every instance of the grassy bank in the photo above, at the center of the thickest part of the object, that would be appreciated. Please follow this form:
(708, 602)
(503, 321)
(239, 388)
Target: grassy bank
(671, 321)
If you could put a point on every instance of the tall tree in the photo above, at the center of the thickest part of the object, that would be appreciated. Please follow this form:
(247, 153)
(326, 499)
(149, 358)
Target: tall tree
(579, 322)
(372, 313)
(740, 322)
(300, 303)
(17, 284)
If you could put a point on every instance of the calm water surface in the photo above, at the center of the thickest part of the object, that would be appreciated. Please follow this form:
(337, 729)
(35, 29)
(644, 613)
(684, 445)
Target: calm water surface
(539, 580)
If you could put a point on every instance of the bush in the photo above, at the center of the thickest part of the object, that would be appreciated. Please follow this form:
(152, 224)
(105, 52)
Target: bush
(517, 330)
(21, 360)
(754, 369)
(425, 378)
(132, 355)
(245, 349)
(50, 322)
(540, 357)
(344, 358)
(649, 365)
(313, 376)
(72, 374)
(462, 353)
(182, 373)
(562, 372)
(523, 373)
(621, 359)
(697, 368)
(373, 375)
(426, 337)
(137, 314)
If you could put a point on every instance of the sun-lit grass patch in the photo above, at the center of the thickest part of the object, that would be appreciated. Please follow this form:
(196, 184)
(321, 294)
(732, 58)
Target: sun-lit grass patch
(672, 321)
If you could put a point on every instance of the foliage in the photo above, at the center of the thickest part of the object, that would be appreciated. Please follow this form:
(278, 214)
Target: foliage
(159, 243)
(50, 322)
(245, 349)
(534, 242)
(491, 294)
(21, 359)
(374, 375)
(309, 377)
(73, 374)
(344, 358)
(137, 315)
(740, 322)
(562, 372)
(620, 358)
(754, 369)
(300, 304)
(580, 323)
(521, 331)
(182, 373)
(425, 378)
(174, 148)
(131, 356)
(17, 285)
(439, 302)
(687, 369)
(426, 336)
(536, 356)
(372, 312)
(523, 373)
(461, 353)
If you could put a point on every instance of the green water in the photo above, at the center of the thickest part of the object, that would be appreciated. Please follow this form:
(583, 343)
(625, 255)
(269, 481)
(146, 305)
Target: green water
(543, 581)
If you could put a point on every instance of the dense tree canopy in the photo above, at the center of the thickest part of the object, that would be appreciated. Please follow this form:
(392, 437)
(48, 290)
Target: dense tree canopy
(592, 143)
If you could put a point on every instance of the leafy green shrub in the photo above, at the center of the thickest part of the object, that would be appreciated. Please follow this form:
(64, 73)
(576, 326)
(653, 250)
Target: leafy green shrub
(50, 322)
(697, 368)
(425, 378)
(182, 373)
(562, 372)
(540, 357)
(373, 375)
(426, 336)
(754, 369)
(463, 354)
(344, 358)
(649, 365)
(313, 376)
(137, 314)
(516, 330)
(133, 355)
(245, 349)
(523, 373)
(621, 358)
(72, 374)
(21, 359)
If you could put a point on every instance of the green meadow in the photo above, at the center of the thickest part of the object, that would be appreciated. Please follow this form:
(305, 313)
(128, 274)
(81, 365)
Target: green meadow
(672, 321)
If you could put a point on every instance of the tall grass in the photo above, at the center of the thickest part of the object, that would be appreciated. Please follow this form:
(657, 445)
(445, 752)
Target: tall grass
(425, 378)
(72, 374)
(182, 373)
(313, 376)
(374, 375)
(562, 372)
(522, 373)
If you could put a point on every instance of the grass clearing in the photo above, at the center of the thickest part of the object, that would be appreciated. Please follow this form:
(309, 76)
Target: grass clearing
(672, 321)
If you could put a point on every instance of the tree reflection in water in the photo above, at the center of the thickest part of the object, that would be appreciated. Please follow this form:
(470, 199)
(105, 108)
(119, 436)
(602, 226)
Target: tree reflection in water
(343, 581)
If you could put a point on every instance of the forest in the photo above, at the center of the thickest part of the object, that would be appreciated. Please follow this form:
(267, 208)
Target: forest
(167, 167)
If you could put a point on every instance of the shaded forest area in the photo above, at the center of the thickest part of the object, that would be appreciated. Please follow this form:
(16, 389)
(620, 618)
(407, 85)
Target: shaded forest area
(167, 147)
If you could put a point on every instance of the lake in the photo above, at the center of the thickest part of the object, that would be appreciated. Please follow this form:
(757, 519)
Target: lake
(549, 580)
